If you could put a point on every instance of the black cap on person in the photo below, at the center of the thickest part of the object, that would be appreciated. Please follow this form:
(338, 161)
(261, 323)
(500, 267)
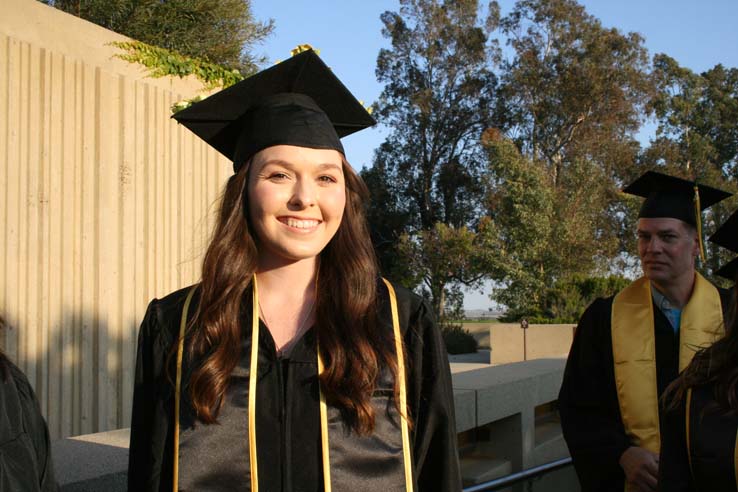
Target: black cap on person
(669, 196)
(727, 237)
(296, 102)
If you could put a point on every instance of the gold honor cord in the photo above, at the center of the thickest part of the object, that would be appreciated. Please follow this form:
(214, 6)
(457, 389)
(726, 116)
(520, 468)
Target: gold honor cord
(403, 389)
(698, 221)
(323, 405)
(177, 388)
(324, 431)
(252, 387)
(735, 460)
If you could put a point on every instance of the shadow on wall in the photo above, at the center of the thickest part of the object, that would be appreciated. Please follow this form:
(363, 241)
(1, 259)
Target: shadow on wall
(81, 370)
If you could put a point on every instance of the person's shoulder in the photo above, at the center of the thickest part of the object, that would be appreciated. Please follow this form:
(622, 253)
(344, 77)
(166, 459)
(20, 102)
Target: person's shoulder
(16, 377)
(405, 295)
(17, 383)
(173, 302)
(601, 306)
(407, 300)
(594, 324)
(163, 314)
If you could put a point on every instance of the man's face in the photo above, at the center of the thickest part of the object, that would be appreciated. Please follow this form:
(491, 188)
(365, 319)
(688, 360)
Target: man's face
(667, 248)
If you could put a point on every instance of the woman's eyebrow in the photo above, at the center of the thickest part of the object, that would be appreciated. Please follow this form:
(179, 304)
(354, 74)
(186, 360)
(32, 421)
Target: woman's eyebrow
(330, 165)
(277, 162)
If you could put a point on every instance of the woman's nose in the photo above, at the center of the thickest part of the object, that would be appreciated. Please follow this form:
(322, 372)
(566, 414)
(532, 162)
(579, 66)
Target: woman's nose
(303, 194)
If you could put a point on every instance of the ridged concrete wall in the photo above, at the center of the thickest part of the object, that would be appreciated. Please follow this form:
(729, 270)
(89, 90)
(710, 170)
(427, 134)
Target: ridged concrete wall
(106, 203)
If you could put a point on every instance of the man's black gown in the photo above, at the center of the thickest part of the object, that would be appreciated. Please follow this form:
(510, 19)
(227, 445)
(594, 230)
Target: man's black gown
(25, 452)
(288, 424)
(588, 400)
(712, 440)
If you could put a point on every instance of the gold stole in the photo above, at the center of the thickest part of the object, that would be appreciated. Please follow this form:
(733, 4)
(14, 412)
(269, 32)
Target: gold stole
(323, 407)
(634, 351)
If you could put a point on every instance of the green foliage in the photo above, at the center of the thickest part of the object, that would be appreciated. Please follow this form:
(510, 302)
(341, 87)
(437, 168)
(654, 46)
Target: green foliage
(162, 63)
(697, 134)
(566, 299)
(220, 32)
(427, 179)
(573, 87)
(570, 101)
(458, 340)
(446, 256)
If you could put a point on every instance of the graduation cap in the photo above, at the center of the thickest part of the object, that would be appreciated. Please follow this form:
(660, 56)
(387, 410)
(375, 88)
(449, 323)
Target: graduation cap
(727, 237)
(669, 196)
(296, 102)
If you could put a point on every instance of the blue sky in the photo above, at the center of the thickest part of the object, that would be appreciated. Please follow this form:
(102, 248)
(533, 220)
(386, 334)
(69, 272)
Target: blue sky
(697, 34)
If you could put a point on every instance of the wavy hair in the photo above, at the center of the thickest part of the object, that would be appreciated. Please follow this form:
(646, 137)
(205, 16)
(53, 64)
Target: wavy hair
(353, 346)
(715, 365)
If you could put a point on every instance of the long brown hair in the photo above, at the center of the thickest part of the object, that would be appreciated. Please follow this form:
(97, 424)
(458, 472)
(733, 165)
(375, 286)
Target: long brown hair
(716, 365)
(354, 348)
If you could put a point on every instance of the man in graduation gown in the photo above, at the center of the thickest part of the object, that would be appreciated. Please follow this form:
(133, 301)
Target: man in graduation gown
(629, 347)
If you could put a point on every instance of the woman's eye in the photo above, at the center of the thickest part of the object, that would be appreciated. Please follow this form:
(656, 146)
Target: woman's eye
(327, 179)
(277, 176)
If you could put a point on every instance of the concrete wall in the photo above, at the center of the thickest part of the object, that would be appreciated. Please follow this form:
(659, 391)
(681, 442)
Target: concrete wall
(510, 343)
(105, 204)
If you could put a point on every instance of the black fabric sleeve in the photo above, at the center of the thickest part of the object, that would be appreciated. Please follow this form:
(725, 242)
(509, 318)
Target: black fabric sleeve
(431, 401)
(35, 426)
(588, 403)
(144, 458)
(674, 468)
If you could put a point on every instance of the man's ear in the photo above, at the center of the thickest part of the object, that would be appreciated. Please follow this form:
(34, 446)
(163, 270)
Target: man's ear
(695, 243)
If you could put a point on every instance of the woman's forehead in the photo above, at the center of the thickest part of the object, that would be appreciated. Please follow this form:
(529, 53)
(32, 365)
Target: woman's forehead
(292, 155)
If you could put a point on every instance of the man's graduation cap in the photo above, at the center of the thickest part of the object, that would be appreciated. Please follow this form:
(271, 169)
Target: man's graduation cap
(296, 102)
(727, 237)
(672, 197)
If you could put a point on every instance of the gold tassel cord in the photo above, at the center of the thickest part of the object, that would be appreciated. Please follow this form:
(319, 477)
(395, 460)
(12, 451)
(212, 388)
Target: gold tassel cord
(698, 221)
(323, 406)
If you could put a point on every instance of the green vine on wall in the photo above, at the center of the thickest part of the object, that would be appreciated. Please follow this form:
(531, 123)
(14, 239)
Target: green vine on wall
(162, 62)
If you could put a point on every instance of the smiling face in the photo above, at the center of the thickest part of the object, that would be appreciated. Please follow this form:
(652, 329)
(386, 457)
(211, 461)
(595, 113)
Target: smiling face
(296, 198)
(667, 248)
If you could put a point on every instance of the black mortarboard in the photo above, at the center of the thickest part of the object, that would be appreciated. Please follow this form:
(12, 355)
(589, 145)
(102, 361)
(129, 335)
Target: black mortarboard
(727, 237)
(296, 102)
(669, 196)
(729, 270)
(677, 198)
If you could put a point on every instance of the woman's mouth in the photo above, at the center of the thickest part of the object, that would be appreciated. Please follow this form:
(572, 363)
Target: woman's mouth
(303, 224)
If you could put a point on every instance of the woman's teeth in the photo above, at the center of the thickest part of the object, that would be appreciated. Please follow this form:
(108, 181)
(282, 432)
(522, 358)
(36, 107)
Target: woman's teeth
(302, 224)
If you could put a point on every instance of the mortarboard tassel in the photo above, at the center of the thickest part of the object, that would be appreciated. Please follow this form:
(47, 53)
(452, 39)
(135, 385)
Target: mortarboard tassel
(698, 221)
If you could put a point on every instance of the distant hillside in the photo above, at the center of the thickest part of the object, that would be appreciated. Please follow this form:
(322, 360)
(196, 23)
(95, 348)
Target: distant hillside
(481, 313)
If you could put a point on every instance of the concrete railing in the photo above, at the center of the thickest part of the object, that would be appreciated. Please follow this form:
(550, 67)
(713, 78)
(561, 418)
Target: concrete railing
(504, 416)
(507, 420)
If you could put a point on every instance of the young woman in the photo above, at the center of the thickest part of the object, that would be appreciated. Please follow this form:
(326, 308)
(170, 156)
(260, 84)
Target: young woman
(292, 365)
(699, 441)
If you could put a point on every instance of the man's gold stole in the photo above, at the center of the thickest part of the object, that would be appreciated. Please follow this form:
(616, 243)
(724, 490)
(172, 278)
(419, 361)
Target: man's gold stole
(634, 351)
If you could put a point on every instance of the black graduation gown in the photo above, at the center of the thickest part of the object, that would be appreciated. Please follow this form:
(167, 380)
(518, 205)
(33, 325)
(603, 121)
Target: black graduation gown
(588, 400)
(288, 424)
(25, 452)
(712, 440)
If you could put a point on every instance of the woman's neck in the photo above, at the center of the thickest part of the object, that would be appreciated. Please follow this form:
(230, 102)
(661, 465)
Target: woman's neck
(283, 279)
(287, 300)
